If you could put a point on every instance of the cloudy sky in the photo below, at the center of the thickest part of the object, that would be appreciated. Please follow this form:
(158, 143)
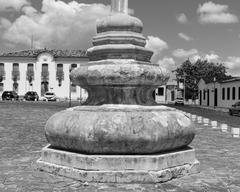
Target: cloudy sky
(175, 29)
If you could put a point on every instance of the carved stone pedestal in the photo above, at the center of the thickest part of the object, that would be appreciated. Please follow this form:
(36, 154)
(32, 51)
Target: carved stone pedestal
(118, 168)
(119, 135)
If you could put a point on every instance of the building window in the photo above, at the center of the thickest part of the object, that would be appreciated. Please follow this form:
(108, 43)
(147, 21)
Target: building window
(161, 91)
(1, 87)
(60, 74)
(45, 73)
(73, 88)
(228, 93)
(2, 72)
(204, 95)
(30, 73)
(172, 95)
(223, 93)
(15, 72)
(233, 93)
(239, 93)
(73, 66)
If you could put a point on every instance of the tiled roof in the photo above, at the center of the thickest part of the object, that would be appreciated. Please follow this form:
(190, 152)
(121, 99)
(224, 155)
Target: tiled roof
(231, 80)
(54, 52)
(223, 81)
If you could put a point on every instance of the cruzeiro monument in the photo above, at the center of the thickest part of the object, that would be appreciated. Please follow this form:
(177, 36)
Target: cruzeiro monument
(119, 135)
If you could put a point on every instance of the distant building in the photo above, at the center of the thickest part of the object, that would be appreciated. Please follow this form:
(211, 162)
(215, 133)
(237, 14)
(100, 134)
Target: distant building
(41, 70)
(168, 93)
(220, 95)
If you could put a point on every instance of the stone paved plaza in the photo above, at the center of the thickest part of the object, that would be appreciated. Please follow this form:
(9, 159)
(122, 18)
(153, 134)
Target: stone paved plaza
(22, 138)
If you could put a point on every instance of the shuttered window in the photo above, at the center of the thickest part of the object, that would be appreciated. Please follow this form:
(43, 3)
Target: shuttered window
(60, 74)
(1, 87)
(15, 72)
(73, 86)
(30, 72)
(2, 72)
(45, 73)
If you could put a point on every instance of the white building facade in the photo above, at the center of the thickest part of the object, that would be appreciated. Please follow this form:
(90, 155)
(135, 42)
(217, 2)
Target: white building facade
(42, 71)
(168, 93)
(220, 95)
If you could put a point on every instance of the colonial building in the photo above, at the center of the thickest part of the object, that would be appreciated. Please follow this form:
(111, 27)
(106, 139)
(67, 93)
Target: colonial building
(41, 70)
(168, 93)
(220, 95)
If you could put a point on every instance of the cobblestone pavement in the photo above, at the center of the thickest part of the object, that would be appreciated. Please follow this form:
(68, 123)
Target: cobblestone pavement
(22, 138)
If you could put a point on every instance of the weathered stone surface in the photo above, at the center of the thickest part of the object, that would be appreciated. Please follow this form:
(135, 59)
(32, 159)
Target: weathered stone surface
(120, 22)
(119, 37)
(154, 162)
(119, 129)
(119, 51)
(120, 72)
(119, 82)
(119, 169)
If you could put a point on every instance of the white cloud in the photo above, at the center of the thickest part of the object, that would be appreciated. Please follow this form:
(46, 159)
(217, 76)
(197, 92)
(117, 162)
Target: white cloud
(212, 57)
(181, 53)
(233, 65)
(194, 58)
(167, 64)
(210, 12)
(157, 45)
(28, 10)
(182, 18)
(5, 23)
(58, 25)
(8, 5)
(185, 37)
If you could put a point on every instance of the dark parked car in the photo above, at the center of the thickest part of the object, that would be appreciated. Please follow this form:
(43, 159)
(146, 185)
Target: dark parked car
(10, 95)
(235, 109)
(31, 96)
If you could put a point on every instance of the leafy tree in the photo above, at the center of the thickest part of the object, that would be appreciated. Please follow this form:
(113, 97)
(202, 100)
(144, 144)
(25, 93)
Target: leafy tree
(191, 73)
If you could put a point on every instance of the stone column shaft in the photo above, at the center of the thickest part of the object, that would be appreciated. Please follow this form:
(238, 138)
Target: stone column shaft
(120, 6)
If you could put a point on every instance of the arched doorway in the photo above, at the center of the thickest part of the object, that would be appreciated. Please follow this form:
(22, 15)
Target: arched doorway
(15, 87)
(44, 87)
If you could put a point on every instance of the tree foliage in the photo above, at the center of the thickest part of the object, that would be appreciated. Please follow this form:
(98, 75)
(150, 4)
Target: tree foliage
(201, 69)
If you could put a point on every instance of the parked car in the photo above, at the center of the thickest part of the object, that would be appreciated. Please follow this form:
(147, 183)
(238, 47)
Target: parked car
(179, 101)
(10, 95)
(31, 96)
(49, 96)
(235, 109)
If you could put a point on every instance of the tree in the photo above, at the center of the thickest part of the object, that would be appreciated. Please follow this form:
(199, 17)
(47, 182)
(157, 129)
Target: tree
(191, 73)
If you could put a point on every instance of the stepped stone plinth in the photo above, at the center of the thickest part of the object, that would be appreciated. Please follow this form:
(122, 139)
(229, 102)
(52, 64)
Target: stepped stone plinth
(119, 135)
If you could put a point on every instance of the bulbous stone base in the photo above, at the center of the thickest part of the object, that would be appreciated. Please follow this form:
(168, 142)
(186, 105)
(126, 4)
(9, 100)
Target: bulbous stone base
(119, 129)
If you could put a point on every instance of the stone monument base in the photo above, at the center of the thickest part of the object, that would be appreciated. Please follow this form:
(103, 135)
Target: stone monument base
(153, 168)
